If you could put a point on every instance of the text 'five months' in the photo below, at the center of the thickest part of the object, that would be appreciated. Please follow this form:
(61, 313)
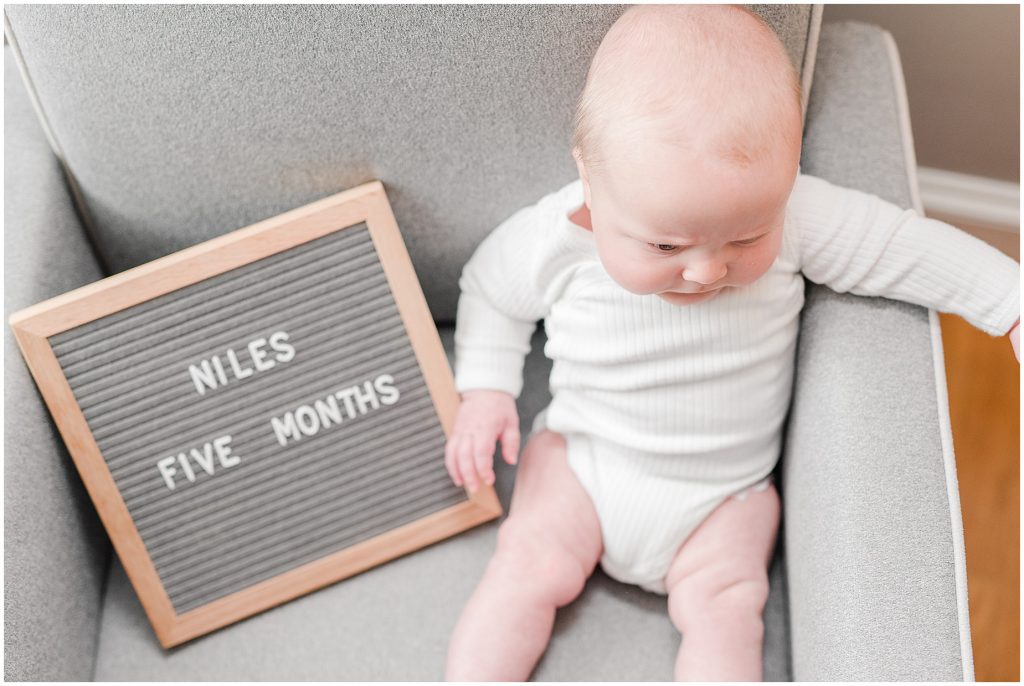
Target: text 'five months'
(259, 356)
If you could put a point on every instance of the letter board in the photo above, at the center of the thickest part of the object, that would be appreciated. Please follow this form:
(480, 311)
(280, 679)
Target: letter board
(259, 415)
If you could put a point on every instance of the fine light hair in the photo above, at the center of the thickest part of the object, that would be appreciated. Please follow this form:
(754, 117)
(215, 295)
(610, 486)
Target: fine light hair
(715, 79)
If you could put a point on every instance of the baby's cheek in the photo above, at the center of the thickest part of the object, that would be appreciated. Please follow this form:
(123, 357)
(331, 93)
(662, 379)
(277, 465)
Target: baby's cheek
(753, 265)
(624, 270)
(630, 279)
(639, 279)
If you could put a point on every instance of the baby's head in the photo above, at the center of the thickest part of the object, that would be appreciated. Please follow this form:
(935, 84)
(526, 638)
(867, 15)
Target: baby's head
(687, 141)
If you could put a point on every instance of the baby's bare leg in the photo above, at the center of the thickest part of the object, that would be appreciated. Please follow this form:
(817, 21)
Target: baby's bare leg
(547, 548)
(718, 585)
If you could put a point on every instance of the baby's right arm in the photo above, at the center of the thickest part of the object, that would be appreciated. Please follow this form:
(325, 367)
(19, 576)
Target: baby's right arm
(501, 301)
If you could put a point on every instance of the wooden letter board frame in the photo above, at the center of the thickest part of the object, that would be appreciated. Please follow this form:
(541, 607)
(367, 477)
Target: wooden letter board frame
(34, 325)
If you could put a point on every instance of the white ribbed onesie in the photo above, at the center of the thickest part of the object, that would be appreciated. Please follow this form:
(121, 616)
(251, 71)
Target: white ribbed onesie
(666, 409)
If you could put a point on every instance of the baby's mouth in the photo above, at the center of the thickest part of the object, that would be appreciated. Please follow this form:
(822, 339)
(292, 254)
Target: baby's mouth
(700, 292)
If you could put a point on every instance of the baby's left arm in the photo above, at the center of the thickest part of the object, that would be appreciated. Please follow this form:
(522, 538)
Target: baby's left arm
(856, 242)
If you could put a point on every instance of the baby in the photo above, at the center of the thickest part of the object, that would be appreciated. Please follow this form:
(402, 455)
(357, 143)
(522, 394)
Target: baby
(670, 276)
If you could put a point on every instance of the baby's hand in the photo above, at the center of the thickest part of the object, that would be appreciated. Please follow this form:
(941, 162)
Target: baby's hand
(1015, 339)
(482, 418)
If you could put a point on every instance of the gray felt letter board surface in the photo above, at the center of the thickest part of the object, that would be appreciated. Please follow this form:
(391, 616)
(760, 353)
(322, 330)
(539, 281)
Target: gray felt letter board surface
(259, 415)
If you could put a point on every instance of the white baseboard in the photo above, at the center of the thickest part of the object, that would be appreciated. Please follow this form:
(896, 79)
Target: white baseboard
(992, 203)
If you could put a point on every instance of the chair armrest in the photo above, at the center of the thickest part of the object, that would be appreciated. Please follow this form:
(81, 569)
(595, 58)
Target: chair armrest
(56, 552)
(874, 543)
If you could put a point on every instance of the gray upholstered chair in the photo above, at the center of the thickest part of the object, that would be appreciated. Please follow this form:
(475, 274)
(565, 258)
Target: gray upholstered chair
(136, 131)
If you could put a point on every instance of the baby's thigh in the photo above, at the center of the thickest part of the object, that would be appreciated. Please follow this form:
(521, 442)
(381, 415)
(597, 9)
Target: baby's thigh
(734, 543)
(549, 505)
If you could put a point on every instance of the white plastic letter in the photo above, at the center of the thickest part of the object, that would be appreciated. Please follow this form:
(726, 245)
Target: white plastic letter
(167, 470)
(221, 445)
(369, 397)
(202, 376)
(219, 366)
(389, 394)
(345, 396)
(204, 458)
(328, 410)
(186, 467)
(286, 350)
(240, 372)
(259, 355)
(285, 428)
(307, 419)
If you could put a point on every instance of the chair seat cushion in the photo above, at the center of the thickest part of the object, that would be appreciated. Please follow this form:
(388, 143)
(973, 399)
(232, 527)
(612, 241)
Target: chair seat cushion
(393, 622)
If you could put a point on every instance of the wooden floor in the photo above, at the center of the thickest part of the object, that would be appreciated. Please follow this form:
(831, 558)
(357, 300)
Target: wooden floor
(984, 400)
(983, 380)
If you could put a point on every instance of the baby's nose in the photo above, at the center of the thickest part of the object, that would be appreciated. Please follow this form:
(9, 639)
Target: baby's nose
(705, 272)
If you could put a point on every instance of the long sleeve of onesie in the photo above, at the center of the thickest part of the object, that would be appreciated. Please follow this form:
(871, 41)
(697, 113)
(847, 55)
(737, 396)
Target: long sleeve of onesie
(507, 286)
(854, 241)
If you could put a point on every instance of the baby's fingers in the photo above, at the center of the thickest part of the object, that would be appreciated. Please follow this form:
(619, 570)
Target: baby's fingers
(464, 457)
(450, 460)
(510, 443)
(483, 454)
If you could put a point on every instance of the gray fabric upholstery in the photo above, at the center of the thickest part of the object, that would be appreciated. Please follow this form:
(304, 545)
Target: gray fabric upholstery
(869, 543)
(184, 122)
(393, 622)
(55, 550)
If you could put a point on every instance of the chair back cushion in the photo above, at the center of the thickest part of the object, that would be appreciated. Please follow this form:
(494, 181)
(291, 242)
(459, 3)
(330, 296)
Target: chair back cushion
(178, 123)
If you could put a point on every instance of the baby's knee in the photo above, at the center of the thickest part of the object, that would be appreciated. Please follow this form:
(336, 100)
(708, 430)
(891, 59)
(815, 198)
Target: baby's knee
(525, 556)
(722, 599)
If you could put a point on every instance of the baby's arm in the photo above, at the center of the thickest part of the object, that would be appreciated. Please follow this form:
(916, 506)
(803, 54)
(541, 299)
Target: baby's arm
(500, 302)
(854, 241)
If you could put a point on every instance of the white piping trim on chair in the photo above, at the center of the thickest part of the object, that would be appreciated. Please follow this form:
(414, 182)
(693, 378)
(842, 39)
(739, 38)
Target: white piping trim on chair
(19, 61)
(810, 58)
(85, 216)
(941, 397)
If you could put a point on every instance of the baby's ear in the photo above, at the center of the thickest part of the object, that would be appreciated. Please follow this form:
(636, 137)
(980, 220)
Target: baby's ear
(583, 175)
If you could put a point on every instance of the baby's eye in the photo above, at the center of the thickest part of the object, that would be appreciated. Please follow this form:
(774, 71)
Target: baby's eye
(662, 247)
(749, 241)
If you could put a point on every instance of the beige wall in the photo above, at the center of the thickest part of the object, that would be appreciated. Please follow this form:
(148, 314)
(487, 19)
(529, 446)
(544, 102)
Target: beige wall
(962, 68)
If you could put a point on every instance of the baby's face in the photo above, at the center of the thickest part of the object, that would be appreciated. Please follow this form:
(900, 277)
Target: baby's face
(684, 226)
